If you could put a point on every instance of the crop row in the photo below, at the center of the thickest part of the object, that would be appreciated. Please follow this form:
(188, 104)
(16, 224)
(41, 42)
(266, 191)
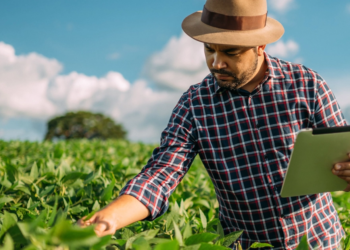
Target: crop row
(46, 187)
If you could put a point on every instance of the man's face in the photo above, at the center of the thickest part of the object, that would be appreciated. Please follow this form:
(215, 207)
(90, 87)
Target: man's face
(232, 66)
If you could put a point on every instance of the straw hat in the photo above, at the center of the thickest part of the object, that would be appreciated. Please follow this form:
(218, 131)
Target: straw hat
(233, 22)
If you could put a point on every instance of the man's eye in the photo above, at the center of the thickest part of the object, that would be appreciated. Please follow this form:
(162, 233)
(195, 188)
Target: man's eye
(210, 50)
(230, 54)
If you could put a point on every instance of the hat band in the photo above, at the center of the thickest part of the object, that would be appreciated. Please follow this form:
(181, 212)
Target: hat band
(233, 22)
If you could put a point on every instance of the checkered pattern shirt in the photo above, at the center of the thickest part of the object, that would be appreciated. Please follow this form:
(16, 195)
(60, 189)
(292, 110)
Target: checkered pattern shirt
(245, 141)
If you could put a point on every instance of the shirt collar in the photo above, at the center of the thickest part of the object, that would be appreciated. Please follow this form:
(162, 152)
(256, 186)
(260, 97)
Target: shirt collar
(273, 67)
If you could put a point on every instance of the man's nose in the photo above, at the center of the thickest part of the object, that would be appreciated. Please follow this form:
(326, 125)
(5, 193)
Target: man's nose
(218, 62)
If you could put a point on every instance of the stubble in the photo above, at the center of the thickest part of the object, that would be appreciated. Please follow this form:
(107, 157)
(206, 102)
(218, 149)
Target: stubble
(237, 81)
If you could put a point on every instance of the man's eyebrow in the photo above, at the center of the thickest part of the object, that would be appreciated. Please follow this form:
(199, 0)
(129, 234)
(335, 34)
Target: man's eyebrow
(230, 50)
(225, 50)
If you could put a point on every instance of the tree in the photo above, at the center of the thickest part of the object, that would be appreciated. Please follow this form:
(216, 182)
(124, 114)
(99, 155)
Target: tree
(83, 124)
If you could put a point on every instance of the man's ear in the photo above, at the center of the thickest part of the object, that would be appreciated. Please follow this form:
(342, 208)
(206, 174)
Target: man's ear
(261, 49)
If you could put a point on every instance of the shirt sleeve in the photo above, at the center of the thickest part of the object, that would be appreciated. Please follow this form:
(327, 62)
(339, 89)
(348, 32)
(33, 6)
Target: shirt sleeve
(168, 163)
(327, 110)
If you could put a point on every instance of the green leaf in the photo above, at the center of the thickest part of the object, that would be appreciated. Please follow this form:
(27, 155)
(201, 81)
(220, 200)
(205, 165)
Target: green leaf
(77, 209)
(8, 222)
(127, 234)
(8, 243)
(39, 221)
(12, 173)
(34, 173)
(192, 247)
(230, 238)
(26, 179)
(103, 242)
(259, 245)
(53, 214)
(207, 246)
(47, 190)
(178, 235)
(71, 177)
(203, 219)
(150, 234)
(347, 243)
(22, 188)
(60, 214)
(108, 191)
(17, 234)
(93, 175)
(141, 244)
(202, 202)
(187, 232)
(212, 223)
(120, 242)
(303, 245)
(169, 220)
(200, 238)
(96, 206)
(158, 241)
(220, 231)
(5, 199)
(65, 233)
(171, 245)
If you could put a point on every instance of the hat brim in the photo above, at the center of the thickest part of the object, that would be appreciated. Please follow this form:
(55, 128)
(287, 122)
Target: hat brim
(195, 28)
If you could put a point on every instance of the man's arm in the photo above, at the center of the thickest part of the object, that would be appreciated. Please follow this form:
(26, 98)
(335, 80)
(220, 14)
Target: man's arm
(147, 194)
(121, 212)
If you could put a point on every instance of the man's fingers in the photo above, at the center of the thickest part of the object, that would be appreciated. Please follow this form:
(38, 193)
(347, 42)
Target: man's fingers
(341, 166)
(81, 222)
(85, 223)
(341, 172)
(101, 227)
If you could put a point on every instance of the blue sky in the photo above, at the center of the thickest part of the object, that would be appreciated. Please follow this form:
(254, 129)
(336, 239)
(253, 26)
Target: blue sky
(61, 45)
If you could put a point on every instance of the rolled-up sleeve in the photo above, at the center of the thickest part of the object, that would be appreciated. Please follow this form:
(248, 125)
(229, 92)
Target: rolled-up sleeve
(168, 163)
(327, 110)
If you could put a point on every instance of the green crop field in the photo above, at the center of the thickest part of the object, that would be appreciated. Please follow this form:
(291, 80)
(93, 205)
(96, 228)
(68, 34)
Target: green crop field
(46, 187)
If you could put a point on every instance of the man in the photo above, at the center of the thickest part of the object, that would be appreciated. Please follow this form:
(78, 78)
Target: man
(242, 120)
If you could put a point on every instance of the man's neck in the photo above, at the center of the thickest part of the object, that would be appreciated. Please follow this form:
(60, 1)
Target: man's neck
(259, 75)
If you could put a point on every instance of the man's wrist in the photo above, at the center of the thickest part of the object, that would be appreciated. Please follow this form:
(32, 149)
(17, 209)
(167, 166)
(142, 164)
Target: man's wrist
(126, 210)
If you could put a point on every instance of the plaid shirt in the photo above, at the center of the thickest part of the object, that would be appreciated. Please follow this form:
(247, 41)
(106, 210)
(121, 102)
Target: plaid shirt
(245, 141)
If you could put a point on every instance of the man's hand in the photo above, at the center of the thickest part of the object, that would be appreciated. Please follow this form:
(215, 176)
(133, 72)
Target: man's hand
(119, 213)
(342, 170)
(106, 221)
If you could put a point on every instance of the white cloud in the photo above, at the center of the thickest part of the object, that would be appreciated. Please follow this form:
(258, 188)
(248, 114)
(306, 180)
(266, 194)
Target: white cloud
(281, 5)
(32, 91)
(23, 83)
(179, 65)
(78, 91)
(143, 111)
(283, 49)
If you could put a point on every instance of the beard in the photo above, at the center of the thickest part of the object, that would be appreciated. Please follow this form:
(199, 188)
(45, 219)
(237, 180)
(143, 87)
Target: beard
(237, 81)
